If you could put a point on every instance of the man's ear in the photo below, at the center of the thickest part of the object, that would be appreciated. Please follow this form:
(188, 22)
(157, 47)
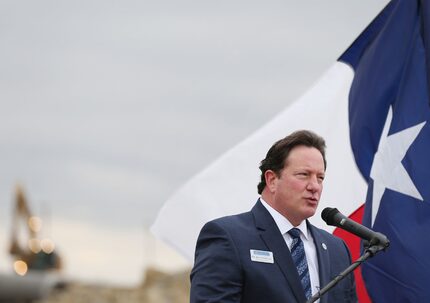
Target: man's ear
(271, 180)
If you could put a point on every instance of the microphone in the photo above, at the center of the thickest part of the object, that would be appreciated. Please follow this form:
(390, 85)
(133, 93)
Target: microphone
(335, 218)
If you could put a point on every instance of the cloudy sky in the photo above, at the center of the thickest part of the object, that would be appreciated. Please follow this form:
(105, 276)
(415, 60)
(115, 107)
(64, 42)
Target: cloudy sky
(107, 107)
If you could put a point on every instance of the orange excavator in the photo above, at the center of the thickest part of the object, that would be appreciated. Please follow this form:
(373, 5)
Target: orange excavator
(29, 251)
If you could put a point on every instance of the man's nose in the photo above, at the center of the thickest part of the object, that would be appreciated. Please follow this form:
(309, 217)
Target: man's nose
(314, 185)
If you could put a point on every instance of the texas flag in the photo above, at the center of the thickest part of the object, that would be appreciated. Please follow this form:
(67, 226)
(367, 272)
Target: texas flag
(390, 139)
(372, 107)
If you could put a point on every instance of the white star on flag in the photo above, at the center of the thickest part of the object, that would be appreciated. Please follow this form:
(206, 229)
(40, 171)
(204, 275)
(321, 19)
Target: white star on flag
(387, 168)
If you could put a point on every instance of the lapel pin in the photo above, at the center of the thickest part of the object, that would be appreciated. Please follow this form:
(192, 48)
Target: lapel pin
(324, 246)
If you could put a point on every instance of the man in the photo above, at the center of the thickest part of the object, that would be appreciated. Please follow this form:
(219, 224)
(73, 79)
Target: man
(272, 253)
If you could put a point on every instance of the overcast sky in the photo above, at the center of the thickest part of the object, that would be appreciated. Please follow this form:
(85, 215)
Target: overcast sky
(107, 107)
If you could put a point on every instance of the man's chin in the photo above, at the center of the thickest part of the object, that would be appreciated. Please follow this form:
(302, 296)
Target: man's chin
(310, 211)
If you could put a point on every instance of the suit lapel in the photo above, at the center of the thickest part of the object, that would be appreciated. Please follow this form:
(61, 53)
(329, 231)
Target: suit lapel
(323, 259)
(271, 236)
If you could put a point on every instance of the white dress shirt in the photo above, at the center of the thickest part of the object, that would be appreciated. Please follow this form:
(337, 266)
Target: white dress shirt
(308, 242)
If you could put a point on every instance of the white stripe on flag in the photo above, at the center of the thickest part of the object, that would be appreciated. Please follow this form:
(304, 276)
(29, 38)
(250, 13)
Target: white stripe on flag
(229, 185)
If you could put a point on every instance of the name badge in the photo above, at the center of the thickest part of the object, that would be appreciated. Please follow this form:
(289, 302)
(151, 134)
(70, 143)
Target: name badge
(261, 256)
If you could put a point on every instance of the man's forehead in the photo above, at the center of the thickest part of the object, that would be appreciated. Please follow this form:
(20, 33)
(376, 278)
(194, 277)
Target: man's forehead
(303, 151)
(304, 156)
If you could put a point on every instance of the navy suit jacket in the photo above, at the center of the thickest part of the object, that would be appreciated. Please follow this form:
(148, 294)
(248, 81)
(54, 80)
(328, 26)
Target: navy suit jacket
(224, 272)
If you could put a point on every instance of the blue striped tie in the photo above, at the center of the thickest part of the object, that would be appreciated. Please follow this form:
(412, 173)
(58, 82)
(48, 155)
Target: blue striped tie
(299, 258)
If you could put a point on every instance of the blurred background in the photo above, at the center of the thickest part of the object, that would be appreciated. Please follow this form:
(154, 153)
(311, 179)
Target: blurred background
(108, 107)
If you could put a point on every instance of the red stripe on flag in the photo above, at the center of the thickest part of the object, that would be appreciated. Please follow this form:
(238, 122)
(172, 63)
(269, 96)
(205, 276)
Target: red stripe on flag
(353, 243)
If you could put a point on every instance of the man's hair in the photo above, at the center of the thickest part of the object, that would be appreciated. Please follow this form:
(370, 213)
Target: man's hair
(278, 153)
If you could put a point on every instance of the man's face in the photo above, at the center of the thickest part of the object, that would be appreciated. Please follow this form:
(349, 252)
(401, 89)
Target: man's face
(297, 190)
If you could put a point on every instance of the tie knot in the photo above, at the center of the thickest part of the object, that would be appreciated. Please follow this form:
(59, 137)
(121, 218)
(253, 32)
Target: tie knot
(294, 232)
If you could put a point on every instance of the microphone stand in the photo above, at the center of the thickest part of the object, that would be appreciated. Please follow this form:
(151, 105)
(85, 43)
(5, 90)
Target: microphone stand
(368, 253)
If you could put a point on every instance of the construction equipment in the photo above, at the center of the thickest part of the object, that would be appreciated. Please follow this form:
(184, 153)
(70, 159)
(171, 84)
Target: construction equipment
(30, 252)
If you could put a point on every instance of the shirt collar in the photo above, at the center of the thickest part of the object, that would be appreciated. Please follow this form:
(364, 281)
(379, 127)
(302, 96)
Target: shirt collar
(283, 224)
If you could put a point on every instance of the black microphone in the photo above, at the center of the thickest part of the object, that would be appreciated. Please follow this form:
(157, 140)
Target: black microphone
(333, 217)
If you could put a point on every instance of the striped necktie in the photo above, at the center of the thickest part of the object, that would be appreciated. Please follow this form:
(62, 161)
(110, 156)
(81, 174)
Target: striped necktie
(299, 258)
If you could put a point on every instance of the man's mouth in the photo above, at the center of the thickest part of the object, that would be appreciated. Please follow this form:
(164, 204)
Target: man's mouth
(312, 199)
